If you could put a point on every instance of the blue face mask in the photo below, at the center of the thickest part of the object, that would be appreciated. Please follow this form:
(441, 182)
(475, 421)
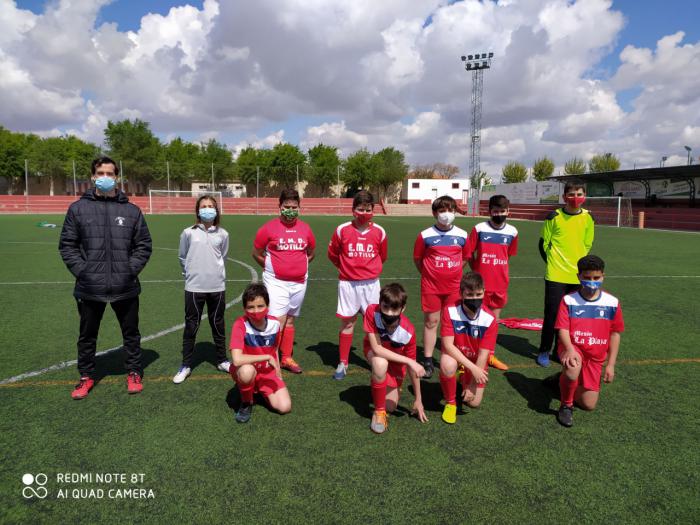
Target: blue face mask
(591, 286)
(207, 214)
(105, 184)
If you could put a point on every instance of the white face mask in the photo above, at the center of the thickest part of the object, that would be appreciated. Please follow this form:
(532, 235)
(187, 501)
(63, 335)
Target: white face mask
(446, 218)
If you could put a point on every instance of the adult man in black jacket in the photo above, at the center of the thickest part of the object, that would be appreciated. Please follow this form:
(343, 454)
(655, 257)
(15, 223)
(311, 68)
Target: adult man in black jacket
(105, 244)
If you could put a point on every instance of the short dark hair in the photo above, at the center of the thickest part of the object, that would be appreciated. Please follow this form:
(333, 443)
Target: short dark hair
(393, 296)
(99, 161)
(253, 291)
(574, 184)
(362, 197)
(444, 202)
(471, 281)
(500, 201)
(217, 219)
(590, 263)
(289, 194)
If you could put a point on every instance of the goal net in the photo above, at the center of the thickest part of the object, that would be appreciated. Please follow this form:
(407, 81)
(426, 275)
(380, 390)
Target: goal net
(614, 211)
(164, 201)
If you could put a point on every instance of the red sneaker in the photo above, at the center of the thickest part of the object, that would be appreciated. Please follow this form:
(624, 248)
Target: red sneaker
(291, 365)
(82, 389)
(134, 383)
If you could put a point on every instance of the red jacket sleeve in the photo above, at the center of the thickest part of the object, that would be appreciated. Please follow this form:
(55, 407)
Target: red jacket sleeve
(562, 322)
(238, 335)
(489, 340)
(311, 239)
(261, 238)
(513, 248)
(411, 348)
(384, 248)
(368, 323)
(446, 327)
(470, 245)
(334, 249)
(618, 324)
(419, 247)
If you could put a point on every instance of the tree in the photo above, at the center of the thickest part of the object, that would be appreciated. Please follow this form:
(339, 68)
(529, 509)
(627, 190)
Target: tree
(575, 166)
(359, 170)
(323, 167)
(480, 181)
(14, 149)
(604, 162)
(543, 168)
(437, 170)
(183, 159)
(287, 162)
(82, 154)
(48, 158)
(139, 150)
(217, 155)
(514, 172)
(390, 168)
(245, 168)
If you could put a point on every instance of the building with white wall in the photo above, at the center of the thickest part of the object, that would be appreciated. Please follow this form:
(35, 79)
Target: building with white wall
(417, 191)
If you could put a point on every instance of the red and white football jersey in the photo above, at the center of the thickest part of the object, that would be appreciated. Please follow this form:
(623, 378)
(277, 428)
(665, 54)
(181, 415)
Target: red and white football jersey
(402, 340)
(470, 335)
(493, 248)
(442, 254)
(285, 248)
(590, 323)
(252, 341)
(358, 255)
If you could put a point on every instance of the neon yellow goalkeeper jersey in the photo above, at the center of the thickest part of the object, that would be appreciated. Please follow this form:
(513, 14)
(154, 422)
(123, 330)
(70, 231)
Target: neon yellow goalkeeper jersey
(566, 238)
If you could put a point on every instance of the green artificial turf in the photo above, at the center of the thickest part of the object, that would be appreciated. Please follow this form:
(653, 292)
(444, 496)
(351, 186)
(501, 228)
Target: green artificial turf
(633, 460)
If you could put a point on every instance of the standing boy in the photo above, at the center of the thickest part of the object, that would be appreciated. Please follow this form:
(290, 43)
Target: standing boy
(390, 347)
(105, 244)
(439, 254)
(567, 235)
(284, 247)
(468, 335)
(358, 249)
(589, 323)
(490, 246)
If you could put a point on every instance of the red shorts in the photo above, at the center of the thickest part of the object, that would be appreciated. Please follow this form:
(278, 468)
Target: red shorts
(394, 373)
(495, 299)
(433, 302)
(591, 371)
(266, 381)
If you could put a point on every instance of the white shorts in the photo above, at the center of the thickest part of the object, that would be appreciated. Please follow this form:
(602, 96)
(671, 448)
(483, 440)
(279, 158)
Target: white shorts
(356, 296)
(285, 296)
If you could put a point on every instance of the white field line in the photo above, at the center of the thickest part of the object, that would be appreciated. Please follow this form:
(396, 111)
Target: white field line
(175, 328)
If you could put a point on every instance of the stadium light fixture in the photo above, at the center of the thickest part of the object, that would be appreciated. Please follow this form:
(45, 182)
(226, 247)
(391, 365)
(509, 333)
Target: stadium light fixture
(689, 149)
(663, 161)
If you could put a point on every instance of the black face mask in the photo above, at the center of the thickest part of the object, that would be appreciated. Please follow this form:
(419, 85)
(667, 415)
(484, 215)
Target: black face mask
(498, 219)
(472, 305)
(388, 320)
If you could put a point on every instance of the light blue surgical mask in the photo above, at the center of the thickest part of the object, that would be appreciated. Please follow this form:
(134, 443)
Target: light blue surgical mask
(105, 184)
(591, 286)
(207, 214)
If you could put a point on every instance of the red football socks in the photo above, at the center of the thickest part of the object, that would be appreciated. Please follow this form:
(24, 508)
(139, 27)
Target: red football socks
(246, 392)
(567, 388)
(379, 395)
(287, 344)
(344, 344)
(449, 389)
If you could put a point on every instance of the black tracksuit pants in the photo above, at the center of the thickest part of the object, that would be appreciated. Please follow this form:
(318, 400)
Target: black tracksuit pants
(553, 294)
(194, 307)
(91, 312)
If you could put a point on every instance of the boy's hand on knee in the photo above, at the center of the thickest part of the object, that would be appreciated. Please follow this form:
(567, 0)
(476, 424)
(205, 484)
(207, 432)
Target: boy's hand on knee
(570, 359)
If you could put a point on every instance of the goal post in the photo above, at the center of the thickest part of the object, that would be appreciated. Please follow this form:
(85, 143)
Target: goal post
(173, 201)
(614, 211)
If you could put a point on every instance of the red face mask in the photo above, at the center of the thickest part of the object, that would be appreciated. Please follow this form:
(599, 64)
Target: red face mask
(576, 202)
(257, 316)
(363, 217)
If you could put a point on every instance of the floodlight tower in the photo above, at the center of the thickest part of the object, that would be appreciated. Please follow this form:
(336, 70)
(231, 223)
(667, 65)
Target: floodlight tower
(476, 64)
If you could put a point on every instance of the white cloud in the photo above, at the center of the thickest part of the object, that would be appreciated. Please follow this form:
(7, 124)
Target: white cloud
(267, 142)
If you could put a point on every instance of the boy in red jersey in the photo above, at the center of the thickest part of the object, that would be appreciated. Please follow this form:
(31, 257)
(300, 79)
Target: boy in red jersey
(284, 247)
(468, 335)
(358, 249)
(439, 254)
(255, 368)
(589, 323)
(490, 246)
(390, 347)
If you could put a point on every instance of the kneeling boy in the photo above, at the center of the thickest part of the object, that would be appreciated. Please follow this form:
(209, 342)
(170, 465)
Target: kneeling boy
(256, 368)
(468, 334)
(390, 347)
(589, 323)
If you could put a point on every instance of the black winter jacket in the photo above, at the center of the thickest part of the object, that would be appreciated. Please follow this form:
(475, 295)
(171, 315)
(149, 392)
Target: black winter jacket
(105, 244)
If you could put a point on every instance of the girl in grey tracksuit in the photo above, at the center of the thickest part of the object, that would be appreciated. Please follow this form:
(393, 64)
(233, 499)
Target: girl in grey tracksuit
(203, 249)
